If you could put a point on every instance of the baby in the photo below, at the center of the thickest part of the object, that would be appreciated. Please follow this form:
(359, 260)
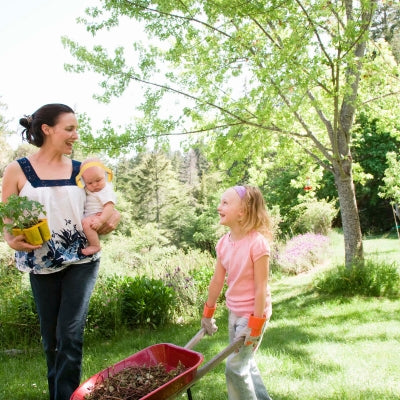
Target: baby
(100, 200)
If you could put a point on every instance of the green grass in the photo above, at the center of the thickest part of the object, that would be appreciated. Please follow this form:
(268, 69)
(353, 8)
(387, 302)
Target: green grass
(315, 348)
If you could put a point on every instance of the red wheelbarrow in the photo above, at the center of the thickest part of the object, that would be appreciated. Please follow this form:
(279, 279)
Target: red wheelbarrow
(170, 356)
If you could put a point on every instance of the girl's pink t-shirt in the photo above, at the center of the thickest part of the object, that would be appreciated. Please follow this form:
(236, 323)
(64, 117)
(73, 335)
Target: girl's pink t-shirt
(238, 259)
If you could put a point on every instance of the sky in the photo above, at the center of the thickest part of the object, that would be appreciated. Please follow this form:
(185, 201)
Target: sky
(32, 61)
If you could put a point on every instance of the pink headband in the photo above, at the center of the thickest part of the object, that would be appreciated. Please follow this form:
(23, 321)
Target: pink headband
(240, 190)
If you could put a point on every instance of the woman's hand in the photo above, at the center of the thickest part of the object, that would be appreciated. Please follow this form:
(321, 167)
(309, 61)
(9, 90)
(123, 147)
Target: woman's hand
(110, 224)
(18, 243)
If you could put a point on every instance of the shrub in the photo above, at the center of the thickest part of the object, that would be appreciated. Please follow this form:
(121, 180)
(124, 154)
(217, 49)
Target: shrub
(18, 319)
(145, 301)
(185, 291)
(189, 275)
(373, 279)
(191, 290)
(301, 253)
(202, 277)
(104, 315)
(19, 323)
(186, 274)
(119, 301)
(314, 216)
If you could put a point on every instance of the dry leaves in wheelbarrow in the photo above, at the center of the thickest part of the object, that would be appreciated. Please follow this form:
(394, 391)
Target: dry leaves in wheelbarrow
(133, 383)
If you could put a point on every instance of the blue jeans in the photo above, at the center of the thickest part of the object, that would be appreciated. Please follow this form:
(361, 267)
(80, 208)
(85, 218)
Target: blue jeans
(62, 302)
(243, 379)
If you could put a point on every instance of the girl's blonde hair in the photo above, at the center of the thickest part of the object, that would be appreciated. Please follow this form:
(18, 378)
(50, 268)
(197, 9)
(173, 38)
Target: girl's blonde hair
(256, 216)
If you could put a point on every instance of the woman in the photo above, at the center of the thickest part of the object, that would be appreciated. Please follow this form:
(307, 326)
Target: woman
(61, 277)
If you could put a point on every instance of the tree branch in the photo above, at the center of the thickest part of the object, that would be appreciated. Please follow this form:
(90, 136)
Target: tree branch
(381, 97)
(315, 30)
(176, 16)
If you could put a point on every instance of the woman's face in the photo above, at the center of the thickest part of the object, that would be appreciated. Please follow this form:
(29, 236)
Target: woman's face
(63, 134)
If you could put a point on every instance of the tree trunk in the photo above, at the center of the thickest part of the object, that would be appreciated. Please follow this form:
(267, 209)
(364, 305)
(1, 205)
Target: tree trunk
(349, 213)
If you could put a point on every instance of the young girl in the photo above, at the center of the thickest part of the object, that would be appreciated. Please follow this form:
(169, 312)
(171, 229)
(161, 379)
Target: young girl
(242, 256)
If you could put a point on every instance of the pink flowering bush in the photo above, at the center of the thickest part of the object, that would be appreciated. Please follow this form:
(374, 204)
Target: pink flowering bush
(301, 253)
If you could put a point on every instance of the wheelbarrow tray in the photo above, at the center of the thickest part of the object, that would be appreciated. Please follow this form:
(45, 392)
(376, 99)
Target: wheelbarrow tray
(167, 354)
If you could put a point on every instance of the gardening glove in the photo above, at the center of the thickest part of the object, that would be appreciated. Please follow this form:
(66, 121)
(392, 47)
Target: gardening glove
(253, 331)
(207, 321)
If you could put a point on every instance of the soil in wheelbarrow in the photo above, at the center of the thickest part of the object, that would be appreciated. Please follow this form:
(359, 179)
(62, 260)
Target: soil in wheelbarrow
(133, 383)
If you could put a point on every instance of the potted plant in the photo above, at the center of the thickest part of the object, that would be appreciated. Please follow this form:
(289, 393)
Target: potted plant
(20, 215)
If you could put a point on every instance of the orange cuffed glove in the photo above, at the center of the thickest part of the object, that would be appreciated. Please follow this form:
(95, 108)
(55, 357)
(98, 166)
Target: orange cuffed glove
(253, 330)
(207, 321)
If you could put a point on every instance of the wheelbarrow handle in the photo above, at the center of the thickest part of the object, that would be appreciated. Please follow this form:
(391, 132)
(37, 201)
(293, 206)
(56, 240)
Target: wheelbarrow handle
(210, 364)
(195, 339)
(218, 358)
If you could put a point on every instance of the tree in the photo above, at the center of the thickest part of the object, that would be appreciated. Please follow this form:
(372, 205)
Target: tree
(386, 25)
(5, 157)
(151, 184)
(251, 73)
(156, 195)
(391, 188)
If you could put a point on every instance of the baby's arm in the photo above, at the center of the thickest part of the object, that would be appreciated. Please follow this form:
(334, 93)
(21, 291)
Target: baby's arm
(99, 220)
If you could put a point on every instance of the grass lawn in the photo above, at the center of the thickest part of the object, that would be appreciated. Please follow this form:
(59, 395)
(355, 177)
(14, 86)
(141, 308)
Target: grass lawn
(315, 347)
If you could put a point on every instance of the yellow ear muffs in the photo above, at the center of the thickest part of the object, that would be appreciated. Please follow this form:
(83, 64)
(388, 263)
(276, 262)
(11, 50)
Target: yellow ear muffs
(92, 164)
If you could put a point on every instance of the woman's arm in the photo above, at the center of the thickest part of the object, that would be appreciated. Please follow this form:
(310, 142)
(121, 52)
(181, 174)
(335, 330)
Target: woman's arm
(110, 224)
(12, 181)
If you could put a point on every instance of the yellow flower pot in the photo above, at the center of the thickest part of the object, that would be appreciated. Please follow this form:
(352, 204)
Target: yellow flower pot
(44, 230)
(36, 234)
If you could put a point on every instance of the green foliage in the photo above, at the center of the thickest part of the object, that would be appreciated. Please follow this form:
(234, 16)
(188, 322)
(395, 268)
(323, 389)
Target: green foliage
(146, 301)
(391, 188)
(373, 279)
(315, 348)
(18, 319)
(189, 276)
(371, 145)
(6, 153)
(314, 216)
(173, 195)
(156, 196)
(19, 323)
(250, 81)
(20, 212)
(104, 316)
(205, 232)
(386, 25)
(184, 287)
(185, 274)
(124, 301)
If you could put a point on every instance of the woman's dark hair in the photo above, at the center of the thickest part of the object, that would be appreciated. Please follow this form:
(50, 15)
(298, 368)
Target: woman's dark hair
(47, 114)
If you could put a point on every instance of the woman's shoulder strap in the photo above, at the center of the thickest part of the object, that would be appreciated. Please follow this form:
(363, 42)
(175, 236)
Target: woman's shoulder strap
(76, 166)
(28, 170)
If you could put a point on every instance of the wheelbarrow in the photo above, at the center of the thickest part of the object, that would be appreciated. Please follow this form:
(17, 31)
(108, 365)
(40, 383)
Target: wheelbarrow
(170, 356)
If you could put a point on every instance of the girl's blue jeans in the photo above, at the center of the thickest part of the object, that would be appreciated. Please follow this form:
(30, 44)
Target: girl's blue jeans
(62, 302)
(243, 378)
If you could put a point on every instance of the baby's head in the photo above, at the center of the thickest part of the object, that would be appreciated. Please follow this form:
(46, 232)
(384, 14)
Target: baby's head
(93, 174)
(94, 178)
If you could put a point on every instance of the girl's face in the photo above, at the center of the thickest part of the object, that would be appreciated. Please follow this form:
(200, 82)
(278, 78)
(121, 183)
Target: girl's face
(230, 209)
(64, 133)
(94, 178)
